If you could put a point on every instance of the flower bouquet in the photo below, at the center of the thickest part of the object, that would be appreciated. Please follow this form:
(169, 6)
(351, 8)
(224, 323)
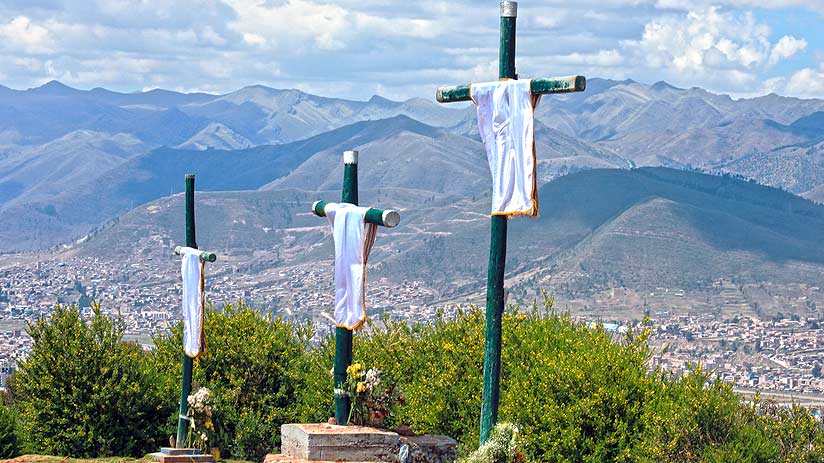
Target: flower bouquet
(373, 397)
(200, 419)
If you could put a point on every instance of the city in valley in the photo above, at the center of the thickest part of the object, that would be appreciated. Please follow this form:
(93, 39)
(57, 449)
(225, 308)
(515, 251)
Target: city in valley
(741, 344)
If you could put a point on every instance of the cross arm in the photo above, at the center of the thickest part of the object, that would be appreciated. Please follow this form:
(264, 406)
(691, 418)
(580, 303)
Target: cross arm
(386, 218)
(204, 256)
(538, 86)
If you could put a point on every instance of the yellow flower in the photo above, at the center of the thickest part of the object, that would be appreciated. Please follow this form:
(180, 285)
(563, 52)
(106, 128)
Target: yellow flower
(361, 387)
(354, 369)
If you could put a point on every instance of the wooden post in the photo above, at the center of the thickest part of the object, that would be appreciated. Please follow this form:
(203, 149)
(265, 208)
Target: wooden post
(497, 255)
(186, 383)
(343, 337)
(497, 246)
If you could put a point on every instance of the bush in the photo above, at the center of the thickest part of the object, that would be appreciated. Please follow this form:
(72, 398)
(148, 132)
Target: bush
(85, 392)
(503, 446)
(9, 440)
(578, 394)
(254, 366)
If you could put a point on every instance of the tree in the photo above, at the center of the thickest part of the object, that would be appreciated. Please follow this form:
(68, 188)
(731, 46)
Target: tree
(84, 392)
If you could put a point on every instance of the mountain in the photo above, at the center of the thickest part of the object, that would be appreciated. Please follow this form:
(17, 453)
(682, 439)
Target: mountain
(654, 227)
(663, 125)
(640, 230)
(216, 136)
(158, 173)
(71, 159)
(266, 115)
(40, 172)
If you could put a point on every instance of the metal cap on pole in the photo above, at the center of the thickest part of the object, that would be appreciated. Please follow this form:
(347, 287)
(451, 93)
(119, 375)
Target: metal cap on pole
(509, 9)
(350, 157)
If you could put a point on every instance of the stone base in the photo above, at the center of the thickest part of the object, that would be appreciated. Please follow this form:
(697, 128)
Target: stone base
(324, 443)
(429, 448)
(173, 455)
(327, 442)
(272, 458)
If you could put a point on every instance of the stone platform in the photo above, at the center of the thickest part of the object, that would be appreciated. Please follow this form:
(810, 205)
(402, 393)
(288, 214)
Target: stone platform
(326, 443)
(173, 455)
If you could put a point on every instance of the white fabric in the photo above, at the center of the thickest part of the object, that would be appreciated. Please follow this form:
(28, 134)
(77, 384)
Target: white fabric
(353, 241)
(194, 342)
(506, 124)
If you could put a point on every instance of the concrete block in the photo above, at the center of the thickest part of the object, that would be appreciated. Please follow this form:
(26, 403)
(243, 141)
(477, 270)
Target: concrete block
(429, 448)
(164, 458)
(327, 442)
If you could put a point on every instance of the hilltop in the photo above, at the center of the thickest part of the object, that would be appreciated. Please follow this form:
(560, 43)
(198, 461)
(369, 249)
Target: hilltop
(72, 159)
(637, 229)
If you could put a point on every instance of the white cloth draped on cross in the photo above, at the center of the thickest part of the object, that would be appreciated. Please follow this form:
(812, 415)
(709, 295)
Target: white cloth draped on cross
(506, 124)
(192, 270)
(353, 242)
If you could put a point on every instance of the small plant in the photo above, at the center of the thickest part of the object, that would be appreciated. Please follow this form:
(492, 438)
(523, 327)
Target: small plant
(200, 419)
(503, 446)
(372, 397)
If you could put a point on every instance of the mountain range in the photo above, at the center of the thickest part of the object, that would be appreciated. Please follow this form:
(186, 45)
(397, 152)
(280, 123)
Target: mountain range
(72, 159)
(622, 168)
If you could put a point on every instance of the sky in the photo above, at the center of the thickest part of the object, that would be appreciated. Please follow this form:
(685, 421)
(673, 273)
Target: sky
(404, 49)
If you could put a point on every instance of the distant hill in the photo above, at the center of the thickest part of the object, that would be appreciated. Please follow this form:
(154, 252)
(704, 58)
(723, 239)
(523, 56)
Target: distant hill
(146, 177)
(640, 229)
(72, 159)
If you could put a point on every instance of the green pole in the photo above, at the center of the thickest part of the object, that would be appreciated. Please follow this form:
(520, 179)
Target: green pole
(343, 336)
(186, 386)
(497, 255)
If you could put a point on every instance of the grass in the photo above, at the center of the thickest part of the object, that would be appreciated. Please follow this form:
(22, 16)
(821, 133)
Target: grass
(53, 459)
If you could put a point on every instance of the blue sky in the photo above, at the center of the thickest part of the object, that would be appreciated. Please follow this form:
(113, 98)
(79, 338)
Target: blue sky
(402, 49)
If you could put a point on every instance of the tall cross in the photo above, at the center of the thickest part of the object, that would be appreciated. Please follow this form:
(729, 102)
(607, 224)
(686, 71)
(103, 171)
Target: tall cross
(497, 248)
(186, 381)
(343, 337)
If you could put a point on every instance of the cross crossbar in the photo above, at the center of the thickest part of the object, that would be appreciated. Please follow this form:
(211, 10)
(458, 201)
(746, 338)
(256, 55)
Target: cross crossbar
(204, 256)
(538, 86)
(385, 218)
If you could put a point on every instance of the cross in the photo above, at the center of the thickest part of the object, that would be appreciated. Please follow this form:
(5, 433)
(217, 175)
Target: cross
(497, 248)
(343, 337)
(186, 386)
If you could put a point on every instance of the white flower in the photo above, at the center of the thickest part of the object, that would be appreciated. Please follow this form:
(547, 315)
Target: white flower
(373, 378)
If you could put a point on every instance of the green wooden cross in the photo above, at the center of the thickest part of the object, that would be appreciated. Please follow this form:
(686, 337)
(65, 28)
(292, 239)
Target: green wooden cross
(497, 249)
(343, 337)
(186, 381)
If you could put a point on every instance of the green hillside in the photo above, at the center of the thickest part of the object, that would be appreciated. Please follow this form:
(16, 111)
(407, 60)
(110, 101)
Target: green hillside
(640, 229)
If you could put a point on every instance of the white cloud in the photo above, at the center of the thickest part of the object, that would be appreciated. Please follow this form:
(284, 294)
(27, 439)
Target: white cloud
(401, 48)
(786, 47)
(712, 48)
(804, 83)
(322, 26)
(22, 35)
(703, 40)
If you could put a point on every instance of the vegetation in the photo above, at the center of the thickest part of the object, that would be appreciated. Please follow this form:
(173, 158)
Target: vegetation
(576, 393)
(254, 368)
(9, 433)
(85, 392)
(501, 447)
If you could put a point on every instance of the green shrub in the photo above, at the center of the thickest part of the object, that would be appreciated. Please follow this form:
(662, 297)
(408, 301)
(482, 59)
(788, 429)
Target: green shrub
(255, 368)
(578, 394)
(85, 392)
(503, 446)
(9, 433)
